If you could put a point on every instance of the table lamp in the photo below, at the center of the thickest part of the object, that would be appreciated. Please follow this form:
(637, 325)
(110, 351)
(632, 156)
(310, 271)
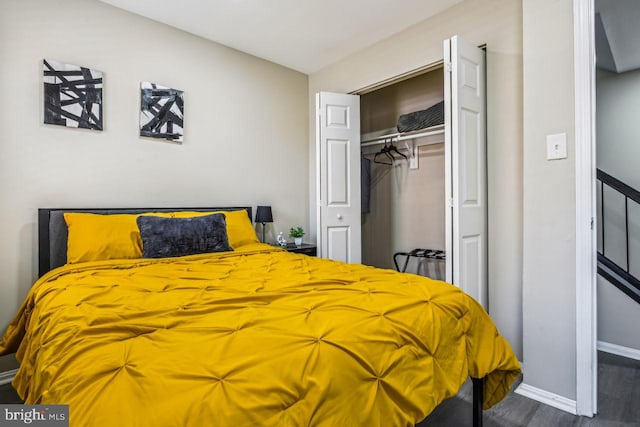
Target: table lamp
(263, 215)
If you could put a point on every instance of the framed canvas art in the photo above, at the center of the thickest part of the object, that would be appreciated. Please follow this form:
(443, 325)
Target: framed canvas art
(161, 112)
(72, 95)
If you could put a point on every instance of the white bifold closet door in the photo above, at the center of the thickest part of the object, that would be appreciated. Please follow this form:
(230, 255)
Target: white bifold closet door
(466, 168)
(338, 171)
(338, 176)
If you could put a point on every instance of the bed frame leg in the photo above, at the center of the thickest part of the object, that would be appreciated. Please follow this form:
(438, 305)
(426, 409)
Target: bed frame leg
(478, 391)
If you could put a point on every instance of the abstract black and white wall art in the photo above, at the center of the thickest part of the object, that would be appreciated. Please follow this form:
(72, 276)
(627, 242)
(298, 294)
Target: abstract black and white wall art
(72, 95)
(161, 112)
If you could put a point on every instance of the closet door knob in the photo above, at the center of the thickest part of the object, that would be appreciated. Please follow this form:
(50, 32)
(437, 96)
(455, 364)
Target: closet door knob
(339, 216)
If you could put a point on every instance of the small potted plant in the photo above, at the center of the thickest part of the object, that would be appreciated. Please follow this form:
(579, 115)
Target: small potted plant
(297, 233)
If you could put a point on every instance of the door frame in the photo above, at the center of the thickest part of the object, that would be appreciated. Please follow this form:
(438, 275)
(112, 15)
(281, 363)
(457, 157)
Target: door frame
(586, 226)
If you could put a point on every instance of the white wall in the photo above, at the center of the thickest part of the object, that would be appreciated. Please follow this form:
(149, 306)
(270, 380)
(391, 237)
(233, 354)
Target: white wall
(549, 200)
(618, 151)
(498, 24)
(617, 125)
(245, 133)
(618, 317)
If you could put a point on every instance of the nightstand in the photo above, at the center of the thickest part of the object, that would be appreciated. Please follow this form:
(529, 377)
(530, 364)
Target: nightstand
(306, 249)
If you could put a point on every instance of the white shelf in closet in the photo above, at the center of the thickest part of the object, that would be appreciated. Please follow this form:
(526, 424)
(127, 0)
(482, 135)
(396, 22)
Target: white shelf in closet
(412, 141)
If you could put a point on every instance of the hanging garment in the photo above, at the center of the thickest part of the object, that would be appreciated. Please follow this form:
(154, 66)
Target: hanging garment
(365, 184)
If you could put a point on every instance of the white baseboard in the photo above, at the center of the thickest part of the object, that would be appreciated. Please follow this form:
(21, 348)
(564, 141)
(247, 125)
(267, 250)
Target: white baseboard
(7, 376)
(628, 352)
(548, 398)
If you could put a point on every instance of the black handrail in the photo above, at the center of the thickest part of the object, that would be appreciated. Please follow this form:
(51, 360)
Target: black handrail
(628, 277)
(622, 285)
(618, 185)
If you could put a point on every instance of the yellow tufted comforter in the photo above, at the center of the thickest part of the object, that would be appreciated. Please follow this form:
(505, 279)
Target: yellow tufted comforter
(255, 337)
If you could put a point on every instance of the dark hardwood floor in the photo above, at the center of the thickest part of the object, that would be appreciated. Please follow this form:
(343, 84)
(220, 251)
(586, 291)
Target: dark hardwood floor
(618, 403)
(8, 394)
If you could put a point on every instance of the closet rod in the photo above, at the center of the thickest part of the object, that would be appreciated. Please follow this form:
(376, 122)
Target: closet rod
(402, 136)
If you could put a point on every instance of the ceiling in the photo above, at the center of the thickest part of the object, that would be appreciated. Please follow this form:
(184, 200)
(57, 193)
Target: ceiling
(301, 34)
(617, 32)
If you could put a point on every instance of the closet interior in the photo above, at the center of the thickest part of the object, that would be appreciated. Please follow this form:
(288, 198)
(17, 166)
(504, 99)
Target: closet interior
(403, 175)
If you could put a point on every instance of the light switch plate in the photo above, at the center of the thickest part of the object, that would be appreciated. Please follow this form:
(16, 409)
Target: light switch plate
(557, 146)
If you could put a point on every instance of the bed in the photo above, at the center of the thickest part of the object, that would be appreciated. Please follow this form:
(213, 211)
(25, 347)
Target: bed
(244, 337)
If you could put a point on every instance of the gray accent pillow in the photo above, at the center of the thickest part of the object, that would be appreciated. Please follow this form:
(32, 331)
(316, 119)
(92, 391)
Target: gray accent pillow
(172, 237)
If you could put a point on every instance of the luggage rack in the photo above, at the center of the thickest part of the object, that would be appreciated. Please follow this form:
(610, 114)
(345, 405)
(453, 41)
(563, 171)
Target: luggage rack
(418, 253)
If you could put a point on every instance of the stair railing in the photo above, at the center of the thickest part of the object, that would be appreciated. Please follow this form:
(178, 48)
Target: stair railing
(631, 284)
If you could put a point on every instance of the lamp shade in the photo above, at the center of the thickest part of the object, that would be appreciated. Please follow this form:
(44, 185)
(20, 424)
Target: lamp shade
(263, 214)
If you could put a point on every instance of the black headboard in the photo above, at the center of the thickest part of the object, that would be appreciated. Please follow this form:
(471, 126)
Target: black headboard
(53, 232)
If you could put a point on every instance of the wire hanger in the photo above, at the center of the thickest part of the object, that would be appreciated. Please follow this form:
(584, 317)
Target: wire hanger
(387, 158)
(388, 151)
(395, 150)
